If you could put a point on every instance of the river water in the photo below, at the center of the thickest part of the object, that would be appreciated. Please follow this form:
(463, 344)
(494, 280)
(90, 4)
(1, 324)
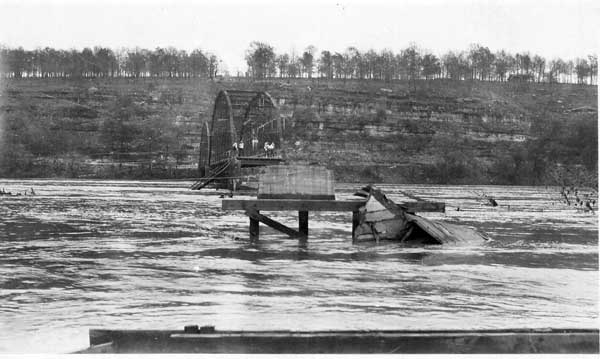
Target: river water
(154, 255)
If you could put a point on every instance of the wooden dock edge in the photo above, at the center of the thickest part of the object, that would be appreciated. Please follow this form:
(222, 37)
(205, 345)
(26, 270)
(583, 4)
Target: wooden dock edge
(507, 341)
(320, 205)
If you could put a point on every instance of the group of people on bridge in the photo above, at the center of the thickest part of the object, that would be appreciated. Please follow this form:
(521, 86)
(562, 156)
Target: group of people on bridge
(269, 148)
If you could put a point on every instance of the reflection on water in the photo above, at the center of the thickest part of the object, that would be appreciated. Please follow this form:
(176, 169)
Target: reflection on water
(153, 255)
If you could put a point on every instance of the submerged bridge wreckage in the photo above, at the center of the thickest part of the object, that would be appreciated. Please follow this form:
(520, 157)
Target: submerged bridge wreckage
(234, 138)
(375, 218)
(243, 123)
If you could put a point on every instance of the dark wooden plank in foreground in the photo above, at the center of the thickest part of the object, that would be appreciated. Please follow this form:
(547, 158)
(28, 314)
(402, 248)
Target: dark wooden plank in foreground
(543, 341)
(319, 205)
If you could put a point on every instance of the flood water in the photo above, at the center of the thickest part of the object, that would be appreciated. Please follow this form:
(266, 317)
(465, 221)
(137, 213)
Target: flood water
(154, 255)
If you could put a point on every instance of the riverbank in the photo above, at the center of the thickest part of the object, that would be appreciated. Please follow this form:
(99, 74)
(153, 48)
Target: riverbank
(463, 132)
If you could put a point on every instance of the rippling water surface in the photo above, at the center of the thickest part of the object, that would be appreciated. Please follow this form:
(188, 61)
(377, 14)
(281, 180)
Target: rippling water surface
(154, 255)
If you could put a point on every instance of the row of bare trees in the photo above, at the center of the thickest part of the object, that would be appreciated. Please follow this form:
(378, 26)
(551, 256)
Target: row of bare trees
(104, 62)
(411, 63)
(478, 62)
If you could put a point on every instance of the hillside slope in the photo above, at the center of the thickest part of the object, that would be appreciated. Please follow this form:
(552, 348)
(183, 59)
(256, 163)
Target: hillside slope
(431, 132)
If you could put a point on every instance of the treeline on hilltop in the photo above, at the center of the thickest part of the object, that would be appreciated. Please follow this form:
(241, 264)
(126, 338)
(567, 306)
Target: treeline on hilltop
(412, 63)
(104, 62)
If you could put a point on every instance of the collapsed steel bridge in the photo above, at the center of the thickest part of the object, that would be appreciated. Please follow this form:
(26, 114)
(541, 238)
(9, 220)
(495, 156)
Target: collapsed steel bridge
(251, 117)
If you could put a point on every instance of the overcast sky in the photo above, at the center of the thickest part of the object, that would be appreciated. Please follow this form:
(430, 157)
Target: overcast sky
(566, 29)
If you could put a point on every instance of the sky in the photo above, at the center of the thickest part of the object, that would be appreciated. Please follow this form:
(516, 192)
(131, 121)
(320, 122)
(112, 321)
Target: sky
(551, 28)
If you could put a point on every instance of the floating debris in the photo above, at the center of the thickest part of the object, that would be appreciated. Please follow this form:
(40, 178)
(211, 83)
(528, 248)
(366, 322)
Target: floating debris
(382, 219)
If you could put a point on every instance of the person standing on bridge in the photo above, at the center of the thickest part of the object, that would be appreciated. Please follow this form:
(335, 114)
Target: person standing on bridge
(254, 142)
(266, 147)
(235, 149)
(272, 149)
(241, 147)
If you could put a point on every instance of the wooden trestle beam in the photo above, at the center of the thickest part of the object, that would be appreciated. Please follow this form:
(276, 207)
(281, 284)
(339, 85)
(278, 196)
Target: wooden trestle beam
(256, 217)
(320, 205)
(252, 208)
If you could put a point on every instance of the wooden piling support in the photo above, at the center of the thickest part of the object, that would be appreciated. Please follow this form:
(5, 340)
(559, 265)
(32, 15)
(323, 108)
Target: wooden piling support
(257, 217)
(254, 227)
(303, 222)
(355, 223)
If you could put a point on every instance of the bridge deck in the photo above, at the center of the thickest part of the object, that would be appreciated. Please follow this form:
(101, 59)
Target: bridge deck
(255, 161)
(250, 161)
